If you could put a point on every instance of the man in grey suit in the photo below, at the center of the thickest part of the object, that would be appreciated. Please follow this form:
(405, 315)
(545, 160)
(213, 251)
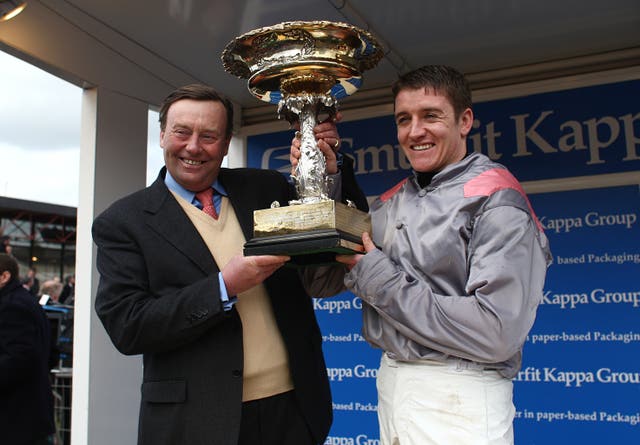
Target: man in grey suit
(231, 347)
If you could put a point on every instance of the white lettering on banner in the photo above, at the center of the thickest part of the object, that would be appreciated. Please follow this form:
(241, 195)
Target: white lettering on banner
(336, 306)
(622, 337)
(568, 378)
(560, 224)
(528, 374)
(522, 134)
(352, 337)
(549, 416)
(600, 296)
(592, 258)
(571, 416)
(631, 419)
(591, 219)
(576, 379)
(625, 338)
(337, 440)
(614, 258)
(331, 305)
(596, 296)
(570, 301)
(571, 259)
(358, 371)
(606, 375)
(358, 337)
(374, 153)
(355, 406)
(337, 338)
(360, 439)
(600, 134)
(343, 406)
(368, 407)
(362, 372)
(564, 336)
(490, 136)
(339, 374)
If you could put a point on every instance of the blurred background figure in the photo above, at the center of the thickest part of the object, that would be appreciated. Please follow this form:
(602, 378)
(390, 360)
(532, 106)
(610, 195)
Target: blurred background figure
(26, 399)
(31, 282)
(51, 289)
(67, 296)
(5, 244)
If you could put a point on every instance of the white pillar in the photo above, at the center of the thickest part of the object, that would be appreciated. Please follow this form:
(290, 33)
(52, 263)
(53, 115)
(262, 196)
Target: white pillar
(106, 384)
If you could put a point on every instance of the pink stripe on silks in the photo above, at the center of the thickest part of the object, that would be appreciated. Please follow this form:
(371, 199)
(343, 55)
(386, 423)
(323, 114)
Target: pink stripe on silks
(392, 191)
(494, 180)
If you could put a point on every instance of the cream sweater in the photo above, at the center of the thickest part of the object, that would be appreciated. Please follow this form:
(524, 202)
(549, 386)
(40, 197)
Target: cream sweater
(266, 366)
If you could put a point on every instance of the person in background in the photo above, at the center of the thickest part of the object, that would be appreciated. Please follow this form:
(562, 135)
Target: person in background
(52, 289)
(5, 245)
(26, 399)
(31, 282)
(231, 348)
(67, 296)
(452, 275)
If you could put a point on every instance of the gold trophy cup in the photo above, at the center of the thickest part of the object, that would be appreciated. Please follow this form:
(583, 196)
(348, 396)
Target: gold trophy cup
(304, 68)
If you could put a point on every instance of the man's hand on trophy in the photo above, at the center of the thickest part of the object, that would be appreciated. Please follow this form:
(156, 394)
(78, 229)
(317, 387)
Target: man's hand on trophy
(328, 132)
(244, 272)
(328, 140)
(351, 260)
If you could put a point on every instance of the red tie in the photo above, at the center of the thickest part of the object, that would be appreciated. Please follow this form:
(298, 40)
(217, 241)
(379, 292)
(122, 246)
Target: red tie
(206, 199)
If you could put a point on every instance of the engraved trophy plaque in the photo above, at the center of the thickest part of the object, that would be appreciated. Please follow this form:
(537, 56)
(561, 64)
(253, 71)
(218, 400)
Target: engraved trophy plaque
(304, 68)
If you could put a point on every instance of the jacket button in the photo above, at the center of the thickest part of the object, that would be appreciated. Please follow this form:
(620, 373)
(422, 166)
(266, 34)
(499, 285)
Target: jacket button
(236, 373)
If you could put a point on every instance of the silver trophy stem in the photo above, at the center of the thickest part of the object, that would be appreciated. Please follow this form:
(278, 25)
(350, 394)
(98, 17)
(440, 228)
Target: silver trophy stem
(311, 176)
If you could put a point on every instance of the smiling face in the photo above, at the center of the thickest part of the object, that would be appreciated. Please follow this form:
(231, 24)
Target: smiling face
(194, 142)
(428, 131)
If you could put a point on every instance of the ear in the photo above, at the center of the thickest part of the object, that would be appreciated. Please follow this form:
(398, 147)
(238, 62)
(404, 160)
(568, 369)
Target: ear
(162, 138)
(5, 277)
(466, 121)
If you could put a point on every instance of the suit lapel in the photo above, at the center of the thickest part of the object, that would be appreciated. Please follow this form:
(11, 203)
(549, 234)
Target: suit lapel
(241, 199)
(166, 218)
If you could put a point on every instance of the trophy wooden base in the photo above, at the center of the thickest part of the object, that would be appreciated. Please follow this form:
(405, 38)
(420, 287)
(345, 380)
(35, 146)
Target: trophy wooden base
(309, 248)
(308, 233)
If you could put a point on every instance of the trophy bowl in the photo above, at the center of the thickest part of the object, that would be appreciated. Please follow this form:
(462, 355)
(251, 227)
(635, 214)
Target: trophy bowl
(304, 68)
(267, 56)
